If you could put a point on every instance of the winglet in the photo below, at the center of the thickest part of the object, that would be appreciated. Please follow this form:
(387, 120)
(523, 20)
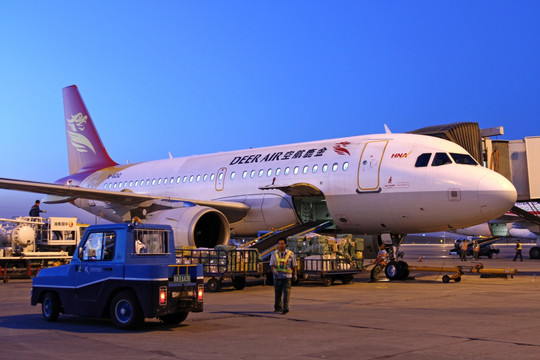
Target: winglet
(387, 129)
(85, 149)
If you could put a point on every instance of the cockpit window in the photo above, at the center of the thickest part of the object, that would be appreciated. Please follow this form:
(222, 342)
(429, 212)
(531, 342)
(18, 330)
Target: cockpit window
(464, 159)
(441, 159)
(423, 160)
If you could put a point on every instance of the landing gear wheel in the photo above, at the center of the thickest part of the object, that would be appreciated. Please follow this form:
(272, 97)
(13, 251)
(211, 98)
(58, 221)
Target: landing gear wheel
(404, 270)
(239, 282)
(394, 270)
(174, 319)
(213, 285)
(490, 255)
(347, 279)
(446, 279)
(327, 280)
(458, 279)
(50, 307)
(125, 311)
(534, 253)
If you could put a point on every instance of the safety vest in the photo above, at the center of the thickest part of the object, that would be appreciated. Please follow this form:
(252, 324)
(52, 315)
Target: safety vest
(518, 246)
(477, 247)
(281, 263)
(464, 245)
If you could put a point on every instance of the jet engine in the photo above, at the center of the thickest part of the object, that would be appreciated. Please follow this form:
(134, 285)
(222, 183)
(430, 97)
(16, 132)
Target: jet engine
(198, 226)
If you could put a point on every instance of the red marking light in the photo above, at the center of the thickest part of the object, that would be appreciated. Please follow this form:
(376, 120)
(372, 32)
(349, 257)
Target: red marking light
(163, 295)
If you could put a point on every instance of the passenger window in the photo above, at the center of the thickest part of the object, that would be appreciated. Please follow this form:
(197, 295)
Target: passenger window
(261, 172)
(120, 185)
(315, 168)
(153, 182)
(464, 159)
(136, 183)
(296, 169)
(159, 181)
(335, 167)
(325, 168)
(178, 179)
(184, 179)
(212, 177)
(278, 171)
(150, 241)
(172, 180)
(441, 159)
(244, 174)
(99, 246)
(198, 178)
(191, 178)
(305, 169)
(345, 166)
(205, 177)
(423, 160)
(287, 170)
(233, 174)
(269, 172)
(165, 181)
(147, 182)
(252, 175)
(130, 183)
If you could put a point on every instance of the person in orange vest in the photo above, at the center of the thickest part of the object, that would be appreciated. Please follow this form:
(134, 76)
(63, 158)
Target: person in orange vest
(283, 264)
(476, 249)
(464, 247)
(518, 251)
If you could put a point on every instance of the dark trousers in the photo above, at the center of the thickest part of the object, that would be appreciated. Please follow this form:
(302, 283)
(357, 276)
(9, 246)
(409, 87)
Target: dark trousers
(282, 288)
(518, 253)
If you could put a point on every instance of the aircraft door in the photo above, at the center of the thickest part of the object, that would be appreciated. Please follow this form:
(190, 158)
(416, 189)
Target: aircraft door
(220, 178)
(370, 166)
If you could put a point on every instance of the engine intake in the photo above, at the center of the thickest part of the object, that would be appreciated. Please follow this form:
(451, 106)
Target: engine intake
(198, 226)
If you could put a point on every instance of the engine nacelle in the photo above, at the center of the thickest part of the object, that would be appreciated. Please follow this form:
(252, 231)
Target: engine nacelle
(198, 226)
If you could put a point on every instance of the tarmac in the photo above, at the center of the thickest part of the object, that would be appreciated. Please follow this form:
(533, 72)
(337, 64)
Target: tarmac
(419, 318)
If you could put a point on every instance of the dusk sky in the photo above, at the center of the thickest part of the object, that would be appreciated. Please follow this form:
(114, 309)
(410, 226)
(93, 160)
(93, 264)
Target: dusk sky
(209, 76)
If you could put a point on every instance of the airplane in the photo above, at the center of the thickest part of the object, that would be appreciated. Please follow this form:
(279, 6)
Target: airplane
(390, 184)
(522, 222)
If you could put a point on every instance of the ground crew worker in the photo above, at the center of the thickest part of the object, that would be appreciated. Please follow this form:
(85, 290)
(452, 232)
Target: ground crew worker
(518, 251)
(35, 210)
(476, 249)
(283, 264)
(382, 255)
(464, 247)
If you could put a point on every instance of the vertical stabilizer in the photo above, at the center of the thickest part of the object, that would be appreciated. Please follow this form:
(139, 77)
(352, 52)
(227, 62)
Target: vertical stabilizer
(85, 149)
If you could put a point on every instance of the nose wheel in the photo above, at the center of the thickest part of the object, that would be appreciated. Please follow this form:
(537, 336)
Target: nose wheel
(397, 270)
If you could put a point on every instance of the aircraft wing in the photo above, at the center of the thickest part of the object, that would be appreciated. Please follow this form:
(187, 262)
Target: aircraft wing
(67, 193)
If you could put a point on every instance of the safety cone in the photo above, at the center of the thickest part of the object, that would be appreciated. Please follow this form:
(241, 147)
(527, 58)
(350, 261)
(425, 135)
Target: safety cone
(420, 258)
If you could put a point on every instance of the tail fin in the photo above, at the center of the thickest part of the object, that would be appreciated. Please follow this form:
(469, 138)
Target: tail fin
(85, 149)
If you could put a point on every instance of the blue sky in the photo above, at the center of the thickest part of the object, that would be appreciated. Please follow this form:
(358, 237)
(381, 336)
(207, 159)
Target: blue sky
(208, 76)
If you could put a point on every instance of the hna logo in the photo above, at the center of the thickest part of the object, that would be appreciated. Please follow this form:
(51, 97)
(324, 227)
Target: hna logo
(340, 148)
(79, 141)
(399, 155)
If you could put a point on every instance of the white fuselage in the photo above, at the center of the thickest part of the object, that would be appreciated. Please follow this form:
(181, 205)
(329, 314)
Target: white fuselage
(370, 184)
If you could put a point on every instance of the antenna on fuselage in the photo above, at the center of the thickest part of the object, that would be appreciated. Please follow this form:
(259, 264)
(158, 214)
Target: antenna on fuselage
(387, 129)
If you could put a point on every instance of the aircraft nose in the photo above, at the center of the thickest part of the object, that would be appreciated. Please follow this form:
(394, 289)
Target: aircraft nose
(496, 195)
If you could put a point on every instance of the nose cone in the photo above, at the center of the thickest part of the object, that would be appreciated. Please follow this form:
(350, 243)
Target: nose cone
(496, 195)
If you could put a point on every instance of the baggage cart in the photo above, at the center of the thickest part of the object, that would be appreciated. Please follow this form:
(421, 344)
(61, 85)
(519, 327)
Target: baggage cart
(221, 263)
(328, 268)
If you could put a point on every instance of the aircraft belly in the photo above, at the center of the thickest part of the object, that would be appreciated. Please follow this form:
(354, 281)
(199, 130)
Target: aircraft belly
(405, 212)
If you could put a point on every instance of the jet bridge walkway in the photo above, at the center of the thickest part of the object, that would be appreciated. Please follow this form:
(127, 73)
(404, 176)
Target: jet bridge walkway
(268, 242)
